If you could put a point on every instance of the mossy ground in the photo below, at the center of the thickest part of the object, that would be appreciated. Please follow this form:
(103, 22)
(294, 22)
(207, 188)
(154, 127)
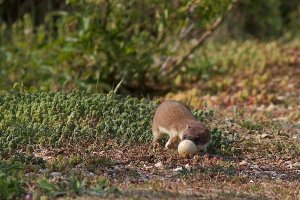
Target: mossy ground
(81, 145)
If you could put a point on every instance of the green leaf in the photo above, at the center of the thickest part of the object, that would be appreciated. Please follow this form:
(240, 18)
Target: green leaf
(48, 187)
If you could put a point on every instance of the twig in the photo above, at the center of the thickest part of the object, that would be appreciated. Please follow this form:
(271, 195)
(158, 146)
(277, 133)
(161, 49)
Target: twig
(177, 63)
(200, 41)
(182, 34)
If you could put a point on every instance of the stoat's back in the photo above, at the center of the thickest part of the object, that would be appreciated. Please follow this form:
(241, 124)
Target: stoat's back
(172, 115)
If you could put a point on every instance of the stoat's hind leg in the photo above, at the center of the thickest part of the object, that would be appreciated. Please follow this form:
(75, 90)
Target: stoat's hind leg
(157, 136)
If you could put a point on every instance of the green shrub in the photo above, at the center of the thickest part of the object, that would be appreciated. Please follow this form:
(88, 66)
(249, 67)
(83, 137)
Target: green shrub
(262, 18)
(93, 44)
(222, 143)
(52, 119)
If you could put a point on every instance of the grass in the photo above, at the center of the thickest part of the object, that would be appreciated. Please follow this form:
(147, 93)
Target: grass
(89, 148)
(85, 145)
(33, 121)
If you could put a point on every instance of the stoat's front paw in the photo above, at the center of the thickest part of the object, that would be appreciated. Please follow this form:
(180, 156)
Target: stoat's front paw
(168, 145)
(171, 145)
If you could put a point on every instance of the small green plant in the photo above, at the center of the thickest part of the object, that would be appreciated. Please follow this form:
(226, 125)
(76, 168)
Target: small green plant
(76, 186)
(50, 189)
(11, 187)
(250, 125)
(222, 143)
(29, 159)
(203, 115)
(102, 188)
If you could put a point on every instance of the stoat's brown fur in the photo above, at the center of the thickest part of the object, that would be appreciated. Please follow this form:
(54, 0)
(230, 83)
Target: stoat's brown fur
(176, 120)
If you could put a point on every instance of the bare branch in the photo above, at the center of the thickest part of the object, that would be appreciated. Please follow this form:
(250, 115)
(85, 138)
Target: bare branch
(199, 42)
(173, 64)
(182, 35)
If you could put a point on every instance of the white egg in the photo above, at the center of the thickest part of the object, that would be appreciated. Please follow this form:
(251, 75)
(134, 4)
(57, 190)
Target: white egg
(187, 147)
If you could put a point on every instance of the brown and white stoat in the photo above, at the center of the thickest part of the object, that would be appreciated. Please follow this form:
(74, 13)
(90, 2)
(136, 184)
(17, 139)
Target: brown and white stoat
(176, 120)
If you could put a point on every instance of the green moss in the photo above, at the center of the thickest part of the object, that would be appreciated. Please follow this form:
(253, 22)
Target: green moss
(52, 119)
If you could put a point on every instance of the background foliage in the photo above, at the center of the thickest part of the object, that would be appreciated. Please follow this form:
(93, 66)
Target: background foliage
(248, 66)
(99, 42)
(93, 44)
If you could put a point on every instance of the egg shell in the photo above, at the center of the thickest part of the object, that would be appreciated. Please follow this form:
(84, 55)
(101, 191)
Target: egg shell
(187, 147)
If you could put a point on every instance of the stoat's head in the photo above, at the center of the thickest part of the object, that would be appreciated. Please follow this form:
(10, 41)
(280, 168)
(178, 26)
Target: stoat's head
(198, 133)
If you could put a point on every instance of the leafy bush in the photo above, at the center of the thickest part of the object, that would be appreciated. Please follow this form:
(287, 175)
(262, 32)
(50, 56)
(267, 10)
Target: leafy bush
(222, 143)
(227, 60)
(96, 43)
(263, 20)
(92, 44)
